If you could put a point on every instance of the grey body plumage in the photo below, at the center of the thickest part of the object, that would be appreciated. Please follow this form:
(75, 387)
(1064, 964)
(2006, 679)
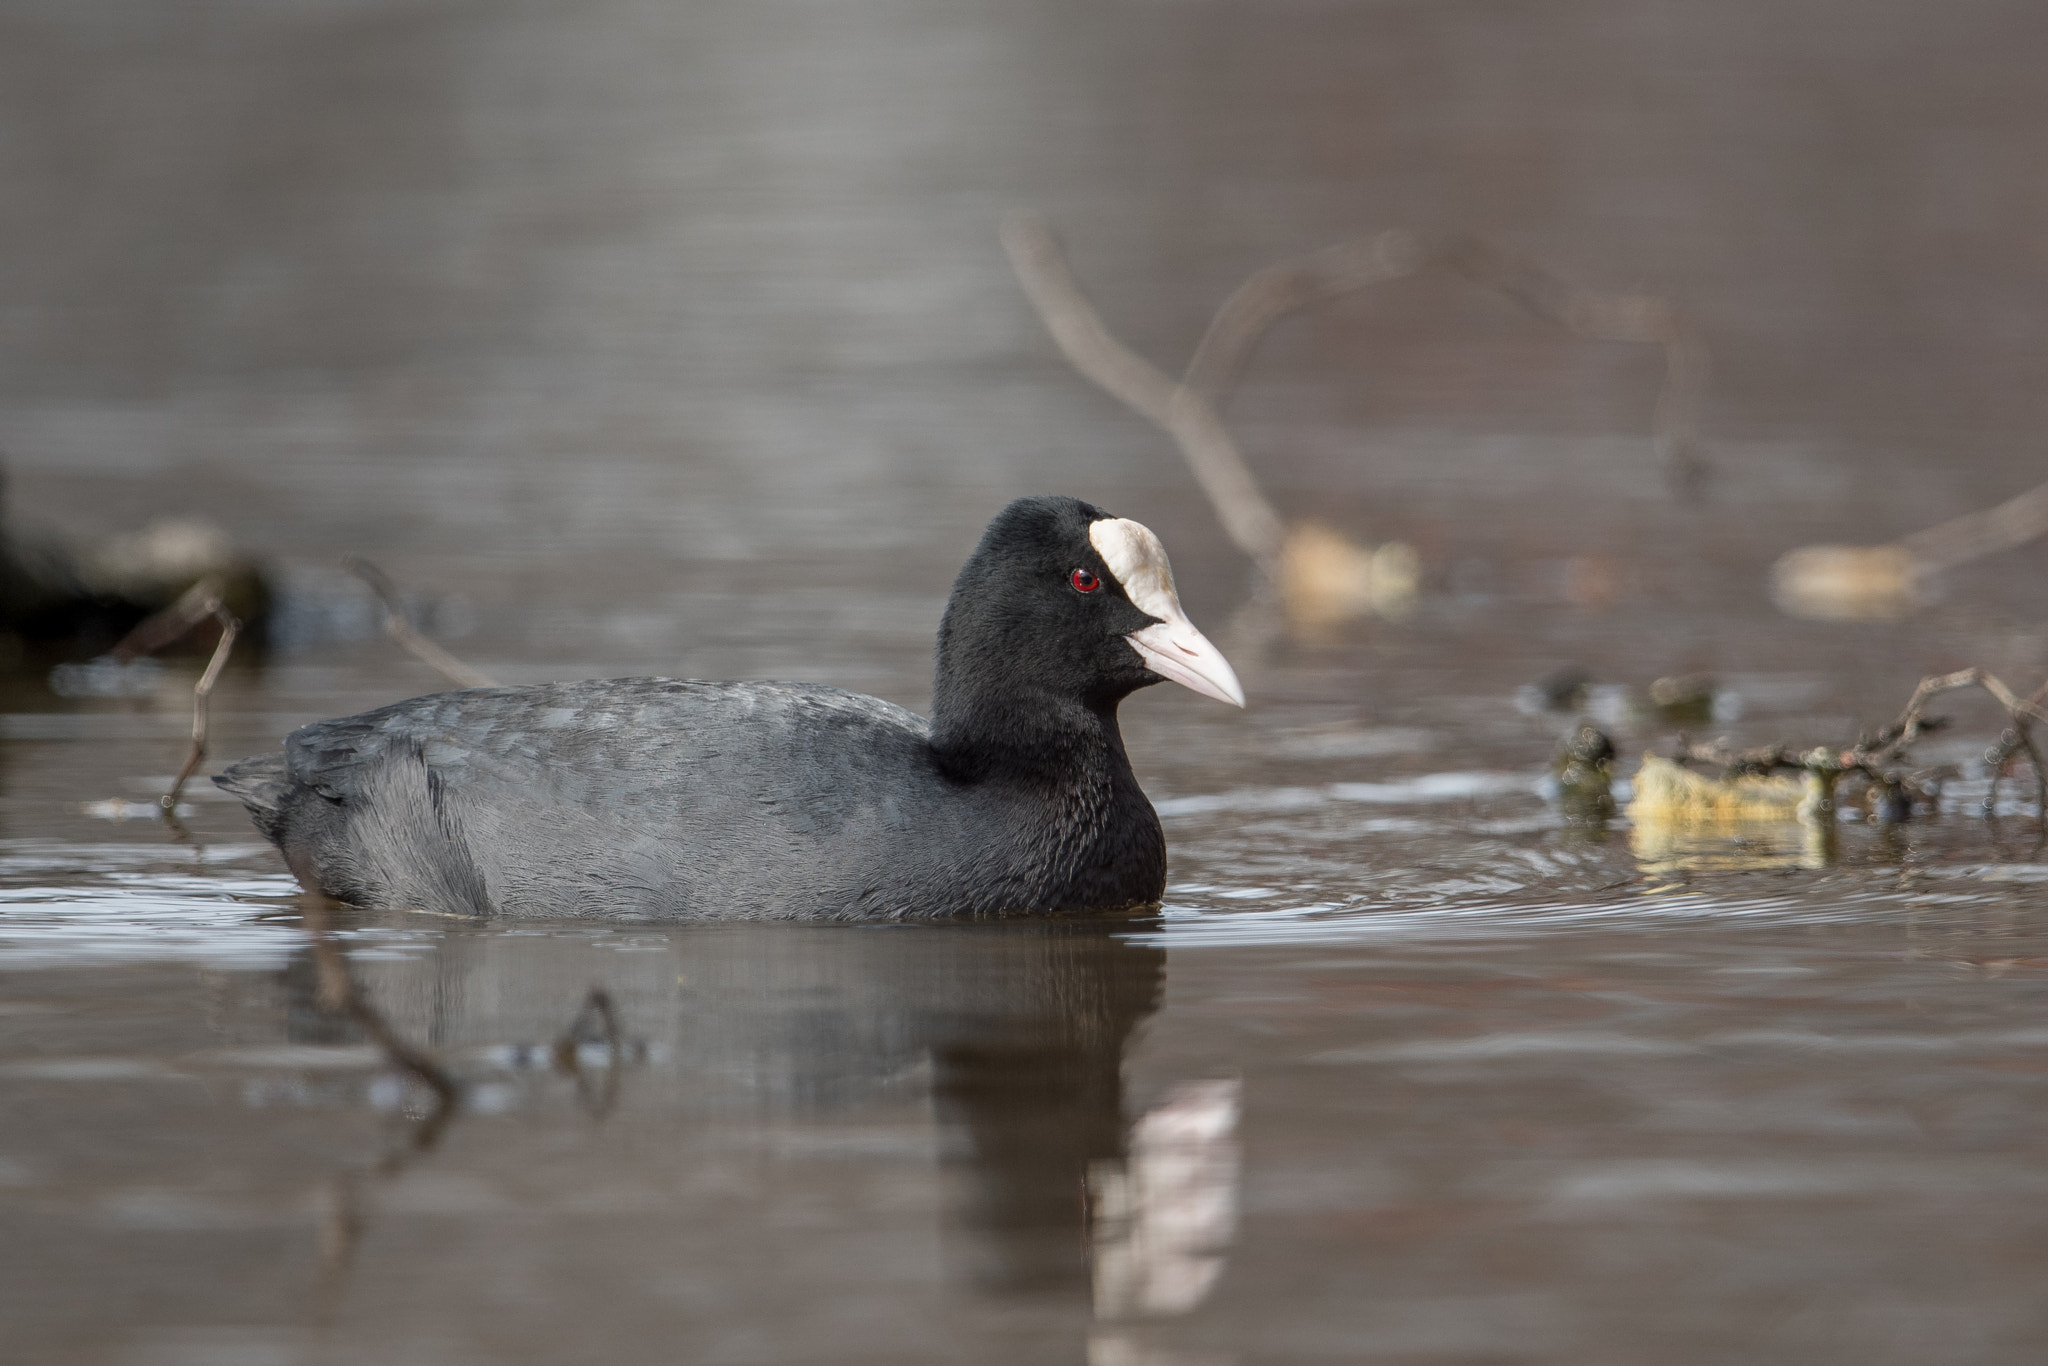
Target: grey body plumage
(661, 799)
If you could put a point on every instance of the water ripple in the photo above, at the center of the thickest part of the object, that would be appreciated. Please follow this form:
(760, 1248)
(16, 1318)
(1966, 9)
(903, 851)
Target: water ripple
(122, 904)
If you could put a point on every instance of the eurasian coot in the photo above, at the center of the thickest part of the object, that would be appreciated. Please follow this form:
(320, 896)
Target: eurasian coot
(651, 798)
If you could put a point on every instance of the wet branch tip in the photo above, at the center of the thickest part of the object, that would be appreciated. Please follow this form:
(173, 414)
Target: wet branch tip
(199, 603)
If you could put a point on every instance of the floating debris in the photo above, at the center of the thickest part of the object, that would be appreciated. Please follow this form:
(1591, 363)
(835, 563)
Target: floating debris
(1846, 583)
(1682, 820)
(1325, 577)
(1560, 690)
(1584, 770)
(1668, 792)
(118, 809)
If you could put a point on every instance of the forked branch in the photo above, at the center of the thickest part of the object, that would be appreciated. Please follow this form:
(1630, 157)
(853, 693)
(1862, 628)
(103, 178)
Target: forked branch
(1876, 756)
(1327, 275)
(1187, 415)
(1188, 410)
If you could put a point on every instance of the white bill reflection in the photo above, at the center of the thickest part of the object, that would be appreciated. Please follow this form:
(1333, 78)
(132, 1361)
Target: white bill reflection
(1164, 1217)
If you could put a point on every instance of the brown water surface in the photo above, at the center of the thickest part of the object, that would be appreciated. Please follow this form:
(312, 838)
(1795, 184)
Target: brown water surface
(639, 338)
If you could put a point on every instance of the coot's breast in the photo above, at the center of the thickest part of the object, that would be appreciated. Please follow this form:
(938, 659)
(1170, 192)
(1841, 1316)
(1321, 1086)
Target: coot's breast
(635, 798)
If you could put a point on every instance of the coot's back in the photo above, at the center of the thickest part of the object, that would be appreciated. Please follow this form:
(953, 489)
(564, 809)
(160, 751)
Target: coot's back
(634, 798)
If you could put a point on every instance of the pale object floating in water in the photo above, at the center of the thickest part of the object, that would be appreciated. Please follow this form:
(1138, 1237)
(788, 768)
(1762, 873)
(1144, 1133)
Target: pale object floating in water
(1686, 820)
(1873, 582)
(1325, 577)
(1847, 582)
(119, 809)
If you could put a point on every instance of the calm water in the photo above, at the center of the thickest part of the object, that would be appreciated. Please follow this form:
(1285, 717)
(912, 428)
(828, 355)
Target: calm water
(1403, 1070)
(661, 339)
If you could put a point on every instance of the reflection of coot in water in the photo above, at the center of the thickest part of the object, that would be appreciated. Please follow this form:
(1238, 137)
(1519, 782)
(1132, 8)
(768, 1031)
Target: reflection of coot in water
(777, 1038)
(650, 798)
(1031, 1085)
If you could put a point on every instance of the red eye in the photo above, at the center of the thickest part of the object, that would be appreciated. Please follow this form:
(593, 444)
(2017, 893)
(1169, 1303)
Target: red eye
(1084, 581)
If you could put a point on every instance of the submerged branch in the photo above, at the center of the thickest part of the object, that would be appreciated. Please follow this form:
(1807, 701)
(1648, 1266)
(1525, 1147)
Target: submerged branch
(1877, 757)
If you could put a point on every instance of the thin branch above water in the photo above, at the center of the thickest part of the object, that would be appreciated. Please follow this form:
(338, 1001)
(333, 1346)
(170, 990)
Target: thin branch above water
(398, 625)
(1322, 576)
(199, 603)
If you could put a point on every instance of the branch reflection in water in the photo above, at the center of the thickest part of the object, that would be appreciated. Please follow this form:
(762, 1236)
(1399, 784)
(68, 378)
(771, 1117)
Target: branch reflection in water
(789, 1039)
(328, 1005)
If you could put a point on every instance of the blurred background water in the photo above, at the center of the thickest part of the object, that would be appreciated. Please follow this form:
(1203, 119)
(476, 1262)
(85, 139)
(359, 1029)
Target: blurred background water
(639, 337)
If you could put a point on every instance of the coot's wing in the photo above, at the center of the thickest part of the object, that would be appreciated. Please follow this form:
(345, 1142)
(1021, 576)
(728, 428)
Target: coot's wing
(650, 796)
(608, 743)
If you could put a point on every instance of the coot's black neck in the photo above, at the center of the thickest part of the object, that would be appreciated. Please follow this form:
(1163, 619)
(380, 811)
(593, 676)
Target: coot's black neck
(1025, 734)
(1024, 702)
(1012, 696)
(1079, 833)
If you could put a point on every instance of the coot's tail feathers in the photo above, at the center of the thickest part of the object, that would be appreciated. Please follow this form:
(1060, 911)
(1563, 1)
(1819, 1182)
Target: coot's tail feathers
(262, 785)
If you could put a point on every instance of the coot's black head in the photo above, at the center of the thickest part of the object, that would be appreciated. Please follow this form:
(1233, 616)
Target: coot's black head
(1061, 604)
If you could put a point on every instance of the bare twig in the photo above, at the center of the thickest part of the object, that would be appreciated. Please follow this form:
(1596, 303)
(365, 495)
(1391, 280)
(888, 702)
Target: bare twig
(1874, 756)
(200, 602)
(1674, 422)
(2016, 741)
(154, 632)
(2014, 522)
(1188, 411)
(1323, 276)
(1271, 294)
(1900, 733)
(399, 627)
(202, 694)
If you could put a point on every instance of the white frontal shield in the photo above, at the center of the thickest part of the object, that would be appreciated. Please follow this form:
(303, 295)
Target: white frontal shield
(1173, 648)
